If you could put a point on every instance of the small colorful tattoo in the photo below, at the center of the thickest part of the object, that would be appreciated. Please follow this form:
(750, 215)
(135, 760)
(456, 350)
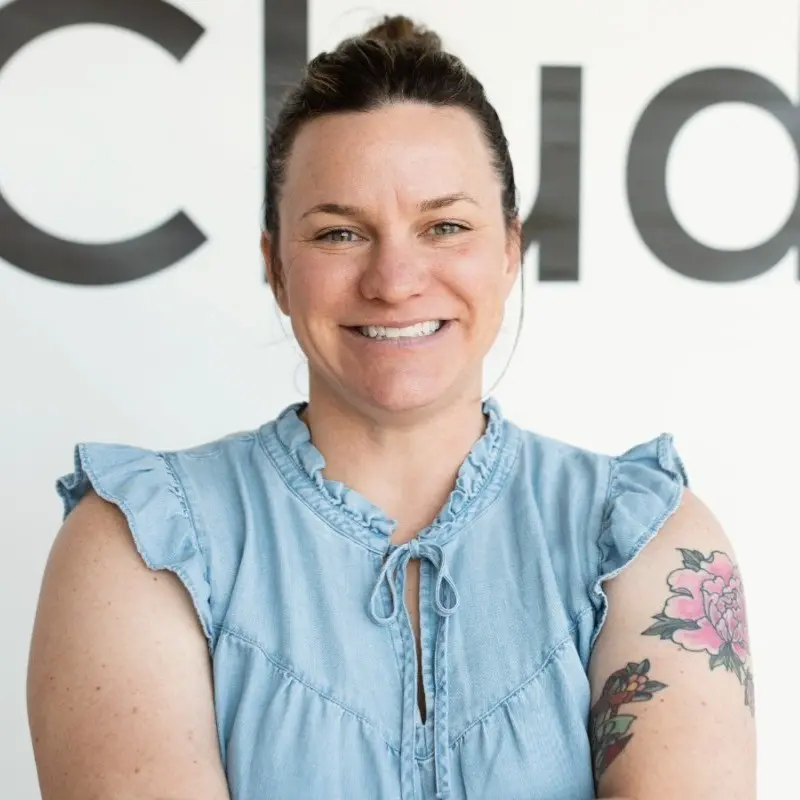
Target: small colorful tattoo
(610, 730)
(705, 612)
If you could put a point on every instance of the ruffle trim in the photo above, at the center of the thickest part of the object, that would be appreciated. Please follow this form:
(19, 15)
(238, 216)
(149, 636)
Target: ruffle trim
(646, 485)
(473, 474)
(144, 486)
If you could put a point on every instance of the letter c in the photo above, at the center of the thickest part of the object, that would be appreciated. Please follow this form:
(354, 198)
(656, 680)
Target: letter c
(31, 249)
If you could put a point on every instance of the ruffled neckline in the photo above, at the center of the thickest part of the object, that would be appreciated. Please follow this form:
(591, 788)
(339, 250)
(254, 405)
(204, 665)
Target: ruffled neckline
(472, 476)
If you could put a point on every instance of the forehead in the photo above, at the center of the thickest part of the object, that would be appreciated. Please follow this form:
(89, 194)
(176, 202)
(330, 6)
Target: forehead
(410, 151)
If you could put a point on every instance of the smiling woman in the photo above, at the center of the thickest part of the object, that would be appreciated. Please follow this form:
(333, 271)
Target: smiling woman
(390, 591)
(383, 219)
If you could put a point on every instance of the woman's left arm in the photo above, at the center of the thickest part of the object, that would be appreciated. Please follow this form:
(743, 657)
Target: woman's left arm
(671, 672)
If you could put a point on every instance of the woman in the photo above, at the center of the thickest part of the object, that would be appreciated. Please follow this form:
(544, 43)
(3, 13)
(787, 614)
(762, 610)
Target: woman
(390, 591)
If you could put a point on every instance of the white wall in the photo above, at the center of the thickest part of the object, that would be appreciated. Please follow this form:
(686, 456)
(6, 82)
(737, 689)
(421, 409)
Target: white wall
(103, 135)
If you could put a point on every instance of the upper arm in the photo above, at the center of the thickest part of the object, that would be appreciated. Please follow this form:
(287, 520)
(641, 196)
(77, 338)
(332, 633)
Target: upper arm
(671, 670)
(120, 698)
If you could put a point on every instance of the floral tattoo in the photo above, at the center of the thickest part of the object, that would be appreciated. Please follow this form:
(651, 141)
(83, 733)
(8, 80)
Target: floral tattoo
(610, 730)
(706, 613)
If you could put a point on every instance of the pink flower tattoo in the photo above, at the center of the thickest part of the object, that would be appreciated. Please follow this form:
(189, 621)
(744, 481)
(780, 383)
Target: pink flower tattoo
(706, 612)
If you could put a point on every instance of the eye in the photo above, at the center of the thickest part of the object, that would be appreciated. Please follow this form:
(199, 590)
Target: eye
(447, 228)
(337, 236)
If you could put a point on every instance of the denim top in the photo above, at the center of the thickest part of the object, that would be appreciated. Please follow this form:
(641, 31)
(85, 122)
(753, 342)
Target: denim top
(300, 594)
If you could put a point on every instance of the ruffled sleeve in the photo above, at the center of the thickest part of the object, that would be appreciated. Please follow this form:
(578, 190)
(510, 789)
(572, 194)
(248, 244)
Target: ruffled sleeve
(645, 488)
(143, 484)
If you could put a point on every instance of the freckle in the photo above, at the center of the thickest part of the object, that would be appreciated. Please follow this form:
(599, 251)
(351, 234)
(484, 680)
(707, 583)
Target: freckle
(52, 677)
(97, 688)
(37, 742)
(194, 762)
(135, 710)
(103, 666)
(137, 770)
(191, 735)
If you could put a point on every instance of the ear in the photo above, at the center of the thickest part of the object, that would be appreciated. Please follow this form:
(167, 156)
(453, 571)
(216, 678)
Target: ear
(274, 271)
(513, 251)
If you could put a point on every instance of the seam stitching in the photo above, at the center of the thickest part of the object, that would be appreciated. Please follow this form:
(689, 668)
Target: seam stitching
(294, 676)
(548, 658)
(310, 507)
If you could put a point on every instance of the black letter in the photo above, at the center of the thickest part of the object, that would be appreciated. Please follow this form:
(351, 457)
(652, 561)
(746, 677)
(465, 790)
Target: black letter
(39, 253)
(285, 55)
(652, 140)
(285, 51)
(555, 220)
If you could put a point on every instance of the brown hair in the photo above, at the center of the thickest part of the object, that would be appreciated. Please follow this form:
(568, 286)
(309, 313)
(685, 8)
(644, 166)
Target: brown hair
(394, 61)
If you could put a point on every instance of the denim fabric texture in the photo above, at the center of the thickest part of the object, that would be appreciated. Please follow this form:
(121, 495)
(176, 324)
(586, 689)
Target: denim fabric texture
(299, 592)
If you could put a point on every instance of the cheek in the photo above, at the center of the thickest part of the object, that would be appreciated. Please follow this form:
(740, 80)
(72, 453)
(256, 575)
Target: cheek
(314, 284)
(478, 273)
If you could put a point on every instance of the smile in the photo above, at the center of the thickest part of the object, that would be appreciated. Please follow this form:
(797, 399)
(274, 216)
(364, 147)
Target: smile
(406, 336)
(383, 333)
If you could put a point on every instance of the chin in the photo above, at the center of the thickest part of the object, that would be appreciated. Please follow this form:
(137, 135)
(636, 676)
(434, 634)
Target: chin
(400, 395)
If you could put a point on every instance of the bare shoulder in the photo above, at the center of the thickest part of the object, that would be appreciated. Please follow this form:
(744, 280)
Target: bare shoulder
(119, 678)
(692, 518)
(692, 523)
(671, 672)
(95, 528)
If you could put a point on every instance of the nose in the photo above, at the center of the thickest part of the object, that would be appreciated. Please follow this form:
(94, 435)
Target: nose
(396, 271)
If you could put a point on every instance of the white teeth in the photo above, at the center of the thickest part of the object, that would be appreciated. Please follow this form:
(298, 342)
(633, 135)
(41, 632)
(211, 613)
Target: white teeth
(412, 331)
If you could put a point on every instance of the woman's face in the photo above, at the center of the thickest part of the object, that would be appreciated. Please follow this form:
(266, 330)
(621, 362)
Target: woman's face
(394, 256)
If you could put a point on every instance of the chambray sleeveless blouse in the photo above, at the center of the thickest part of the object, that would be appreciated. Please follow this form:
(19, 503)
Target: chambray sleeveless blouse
(300, 593)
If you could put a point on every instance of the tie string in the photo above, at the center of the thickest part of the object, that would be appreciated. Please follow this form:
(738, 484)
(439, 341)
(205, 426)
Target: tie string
(445, 602)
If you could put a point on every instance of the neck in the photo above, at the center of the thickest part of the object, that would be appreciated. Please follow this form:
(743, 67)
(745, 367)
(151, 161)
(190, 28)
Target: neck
(405, 465)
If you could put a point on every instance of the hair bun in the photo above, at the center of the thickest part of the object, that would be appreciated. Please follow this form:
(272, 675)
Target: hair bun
(402, 29)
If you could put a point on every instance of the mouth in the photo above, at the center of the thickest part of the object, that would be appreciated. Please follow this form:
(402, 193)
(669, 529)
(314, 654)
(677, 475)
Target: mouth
(419, 330)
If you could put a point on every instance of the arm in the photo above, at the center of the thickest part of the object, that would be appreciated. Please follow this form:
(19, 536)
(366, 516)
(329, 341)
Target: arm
(671, 673)
(120, 698)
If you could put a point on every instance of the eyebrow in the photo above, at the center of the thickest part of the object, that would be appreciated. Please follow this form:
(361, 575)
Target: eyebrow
(433, 204)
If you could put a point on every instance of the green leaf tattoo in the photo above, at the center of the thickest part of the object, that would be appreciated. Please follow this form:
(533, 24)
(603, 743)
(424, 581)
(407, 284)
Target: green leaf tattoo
(609, 730)
(705, 612)
(692, 559)
(665, 626)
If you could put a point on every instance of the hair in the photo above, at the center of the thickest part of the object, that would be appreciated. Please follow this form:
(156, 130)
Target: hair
(394, 61)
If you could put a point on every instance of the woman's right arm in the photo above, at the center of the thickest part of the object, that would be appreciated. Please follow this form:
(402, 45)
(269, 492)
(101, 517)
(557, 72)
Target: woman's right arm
(120, 697)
